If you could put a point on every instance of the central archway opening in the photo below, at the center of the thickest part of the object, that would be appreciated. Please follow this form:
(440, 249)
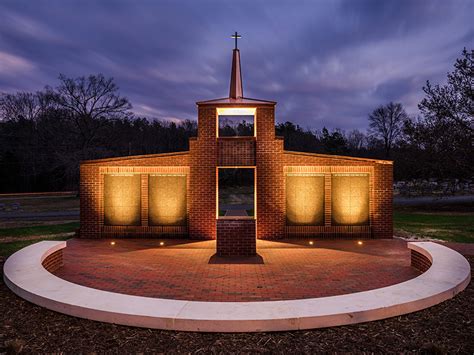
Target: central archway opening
(236, 192)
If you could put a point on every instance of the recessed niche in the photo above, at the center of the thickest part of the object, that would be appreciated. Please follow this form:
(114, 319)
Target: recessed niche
(304, 199)
(122, 199)
(350, 199)
(167, 200)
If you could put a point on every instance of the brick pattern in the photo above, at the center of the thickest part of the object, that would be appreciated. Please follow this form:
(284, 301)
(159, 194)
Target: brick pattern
(343, 232)
(264, 152)
(383, 201)
(381, 193)
(204, 152)
(91, 189)
(144, 231)
(54, 261)
(419, 261)
(91, 209)
(235, 151)
(270, 180)
(236, 237)
(291, 269)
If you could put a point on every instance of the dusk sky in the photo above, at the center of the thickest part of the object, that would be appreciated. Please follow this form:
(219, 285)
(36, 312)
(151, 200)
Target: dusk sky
(326, 63)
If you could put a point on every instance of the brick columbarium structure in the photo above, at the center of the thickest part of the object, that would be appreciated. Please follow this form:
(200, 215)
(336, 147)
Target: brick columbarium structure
(295, 194)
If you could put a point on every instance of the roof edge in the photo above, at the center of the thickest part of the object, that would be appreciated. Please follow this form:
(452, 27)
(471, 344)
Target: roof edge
(344, 157)
(132, 157)
(235, 102)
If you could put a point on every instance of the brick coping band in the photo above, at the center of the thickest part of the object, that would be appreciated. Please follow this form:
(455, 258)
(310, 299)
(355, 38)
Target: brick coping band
(25, 275)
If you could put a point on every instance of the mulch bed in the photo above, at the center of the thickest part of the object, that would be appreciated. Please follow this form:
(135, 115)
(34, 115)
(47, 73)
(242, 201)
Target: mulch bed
(447, 327)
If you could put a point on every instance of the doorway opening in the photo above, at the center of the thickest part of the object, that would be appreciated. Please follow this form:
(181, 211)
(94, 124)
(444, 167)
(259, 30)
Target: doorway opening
(236, 192)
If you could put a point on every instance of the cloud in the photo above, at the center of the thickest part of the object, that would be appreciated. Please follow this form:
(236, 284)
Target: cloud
(327, 63)
(11, 64)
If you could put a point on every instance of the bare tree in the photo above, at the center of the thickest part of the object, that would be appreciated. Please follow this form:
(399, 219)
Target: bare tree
(91, 102)
(22, 105)
(386, 123)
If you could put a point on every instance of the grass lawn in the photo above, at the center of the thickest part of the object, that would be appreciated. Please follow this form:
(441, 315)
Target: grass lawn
(25, 236)
(455, 227)
(39, 230)
(6, 249)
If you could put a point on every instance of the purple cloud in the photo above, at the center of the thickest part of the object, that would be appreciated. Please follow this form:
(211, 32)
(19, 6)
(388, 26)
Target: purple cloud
(327, 63)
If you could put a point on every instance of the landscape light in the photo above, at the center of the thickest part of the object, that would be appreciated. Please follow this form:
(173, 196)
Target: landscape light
(311, 242)
(162, 243)
(112, 243)
(360, 242)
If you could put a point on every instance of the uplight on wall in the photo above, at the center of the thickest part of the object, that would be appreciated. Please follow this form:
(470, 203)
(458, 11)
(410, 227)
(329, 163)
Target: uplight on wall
(167, 199)
(236, 111)
(122, 199)
(350, 199)
(305, 199)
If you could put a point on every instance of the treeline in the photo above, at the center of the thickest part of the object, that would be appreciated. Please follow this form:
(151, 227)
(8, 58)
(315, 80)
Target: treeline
(44, 135)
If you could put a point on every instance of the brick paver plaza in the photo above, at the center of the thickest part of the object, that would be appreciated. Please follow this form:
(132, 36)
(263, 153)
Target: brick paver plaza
(182, 269)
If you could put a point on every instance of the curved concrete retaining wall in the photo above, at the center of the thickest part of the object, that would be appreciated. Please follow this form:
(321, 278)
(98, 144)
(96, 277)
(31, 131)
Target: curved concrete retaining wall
(24, 274)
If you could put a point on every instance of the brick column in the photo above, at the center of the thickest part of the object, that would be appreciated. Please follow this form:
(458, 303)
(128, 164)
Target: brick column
(270, 178)
(236, 237)
(90, 191)
(383, 201)
(327, 200)
(144, 200)
(202, 204)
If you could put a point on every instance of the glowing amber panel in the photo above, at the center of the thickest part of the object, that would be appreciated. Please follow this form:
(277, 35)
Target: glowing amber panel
(122, 200)
(167, 200)
(350, 199)
(305, 200)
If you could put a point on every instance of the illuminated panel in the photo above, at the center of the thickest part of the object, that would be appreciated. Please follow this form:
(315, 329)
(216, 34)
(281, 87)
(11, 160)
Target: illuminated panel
(305, 199)
(236, 111)
(167, 200)
(350, 199)
(122, 199)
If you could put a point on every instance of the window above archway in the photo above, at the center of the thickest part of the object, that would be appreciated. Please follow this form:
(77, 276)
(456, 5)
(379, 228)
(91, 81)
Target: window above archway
(236, 122)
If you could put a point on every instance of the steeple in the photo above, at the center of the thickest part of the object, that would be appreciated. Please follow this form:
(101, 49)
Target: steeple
(236, 91)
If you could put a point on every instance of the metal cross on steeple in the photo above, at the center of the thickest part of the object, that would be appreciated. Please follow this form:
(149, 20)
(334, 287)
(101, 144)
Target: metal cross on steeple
(236, 36)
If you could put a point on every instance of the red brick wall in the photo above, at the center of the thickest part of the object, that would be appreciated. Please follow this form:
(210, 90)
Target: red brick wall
(381, 194)
(204, 153)
(419, 261)
(91, 192)
(383, 201)
(53, 261)
(236, 237)
(236, 151)
(265, 151)
(270, 180)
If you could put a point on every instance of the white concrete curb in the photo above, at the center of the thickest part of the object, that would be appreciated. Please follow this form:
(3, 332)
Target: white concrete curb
(449, 274)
